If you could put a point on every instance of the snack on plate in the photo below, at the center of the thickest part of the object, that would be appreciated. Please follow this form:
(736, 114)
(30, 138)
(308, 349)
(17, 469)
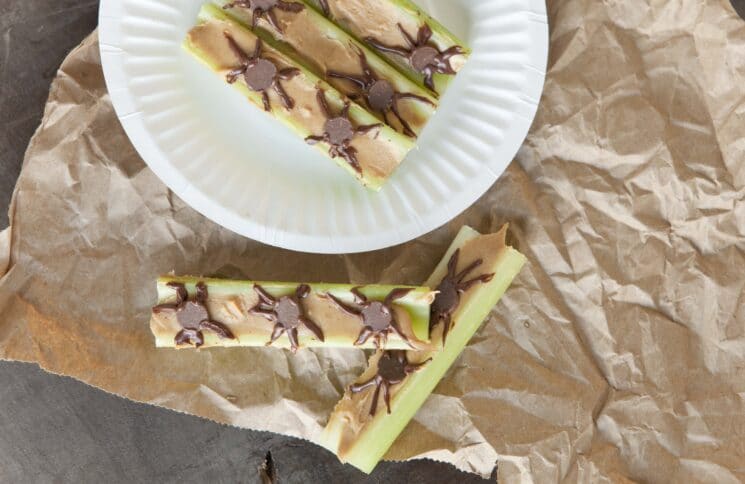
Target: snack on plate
(471, 278)
(199, 312)
(399, 30)
(330, 53)
(357, 140)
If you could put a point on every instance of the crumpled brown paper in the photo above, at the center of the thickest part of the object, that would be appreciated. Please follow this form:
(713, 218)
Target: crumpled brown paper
(619, 352)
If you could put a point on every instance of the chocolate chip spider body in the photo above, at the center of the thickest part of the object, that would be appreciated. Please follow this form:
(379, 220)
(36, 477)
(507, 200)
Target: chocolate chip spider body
(379, 94)
(260, 74)
(338, 132)
(450, 290)
(378, 318)
(424, 57)
(287, 313)
(393, 368)
(192, 315)
(265, 8)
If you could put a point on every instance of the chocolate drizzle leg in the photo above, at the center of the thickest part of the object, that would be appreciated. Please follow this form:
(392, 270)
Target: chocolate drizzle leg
(193, 316)
(393, 368)
(265, 8)
(423, 57)
(338, 132)
(379, 94)
(287, 313)
(450, 290)
(325, 7)
(260, 74)
(378, 318)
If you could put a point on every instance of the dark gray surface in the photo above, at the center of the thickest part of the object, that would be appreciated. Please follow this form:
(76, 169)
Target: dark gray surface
(739, 7)
(55, 429)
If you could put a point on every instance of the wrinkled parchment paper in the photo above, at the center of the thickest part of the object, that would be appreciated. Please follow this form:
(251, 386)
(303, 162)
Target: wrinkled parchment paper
(619, 353)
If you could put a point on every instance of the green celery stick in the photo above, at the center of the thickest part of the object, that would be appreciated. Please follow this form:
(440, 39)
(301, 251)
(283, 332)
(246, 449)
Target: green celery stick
(380, 20)
(321, 46)
(229, 303)
(361, 439)
(379, 152)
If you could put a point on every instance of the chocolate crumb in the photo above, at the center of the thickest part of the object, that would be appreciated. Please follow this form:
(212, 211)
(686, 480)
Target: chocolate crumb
(268, 470)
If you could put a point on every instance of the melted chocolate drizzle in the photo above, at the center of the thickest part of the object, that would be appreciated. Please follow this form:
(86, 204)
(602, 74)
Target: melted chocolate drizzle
(287, 313)
(423, 57)
(450, 290)
(192, 315)
(393, 368)
(379, 94)
(338, 132)
(378, 318)
(265, 8)
(260, 74)
(325, 7)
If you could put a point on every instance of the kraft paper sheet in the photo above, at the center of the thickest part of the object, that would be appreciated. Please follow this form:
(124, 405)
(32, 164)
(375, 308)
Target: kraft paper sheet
(618, 353)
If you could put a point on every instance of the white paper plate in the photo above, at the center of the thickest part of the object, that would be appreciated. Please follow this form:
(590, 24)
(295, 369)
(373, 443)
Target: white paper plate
(250, 174)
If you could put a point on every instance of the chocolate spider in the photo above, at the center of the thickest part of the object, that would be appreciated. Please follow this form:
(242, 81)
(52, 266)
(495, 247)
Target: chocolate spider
(260, 74)
(423, 57)
(287, 313)
(379, 94)
(265, 8)
(393, 368)
(338, 132)
(450, 290)
(378, 318)
(192, 315)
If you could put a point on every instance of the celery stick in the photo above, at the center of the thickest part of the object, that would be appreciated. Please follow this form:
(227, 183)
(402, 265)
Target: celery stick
(229, 302)
(322, 47)
(361, 439)
(378, 151)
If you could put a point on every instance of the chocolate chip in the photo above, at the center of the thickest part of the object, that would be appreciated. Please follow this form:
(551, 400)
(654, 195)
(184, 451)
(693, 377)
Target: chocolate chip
(380, 95)
(288, 313)
(260, 75)
(447, 297)
(339, 130)
(377, 316)
(423, 57)
(191, 314)
(391, 368)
